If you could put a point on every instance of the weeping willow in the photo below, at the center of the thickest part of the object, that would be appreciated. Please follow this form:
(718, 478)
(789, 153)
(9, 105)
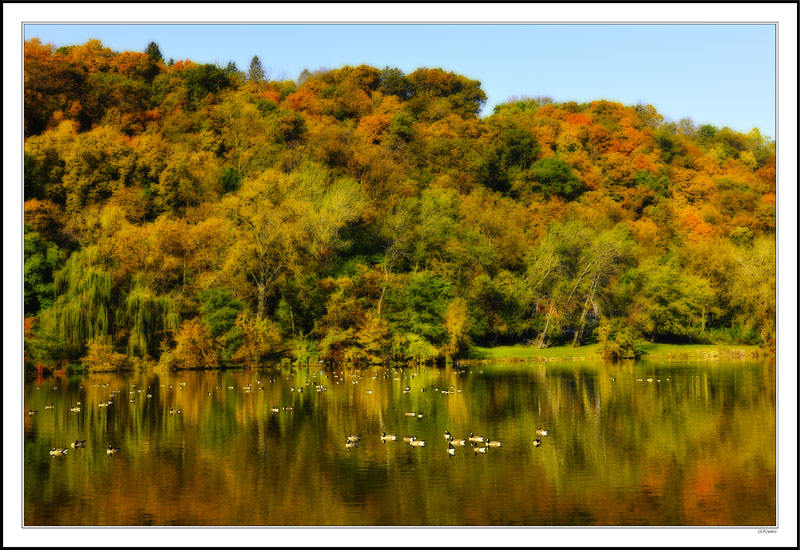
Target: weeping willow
(83, 288)
(148, 316)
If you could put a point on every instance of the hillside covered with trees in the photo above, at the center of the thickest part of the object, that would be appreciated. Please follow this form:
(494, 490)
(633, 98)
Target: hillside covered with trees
(197, 215)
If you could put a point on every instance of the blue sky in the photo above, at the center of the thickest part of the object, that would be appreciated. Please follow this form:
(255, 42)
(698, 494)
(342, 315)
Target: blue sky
(716, 74)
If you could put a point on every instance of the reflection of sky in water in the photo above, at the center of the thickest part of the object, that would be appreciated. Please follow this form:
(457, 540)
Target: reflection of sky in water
(669, 451)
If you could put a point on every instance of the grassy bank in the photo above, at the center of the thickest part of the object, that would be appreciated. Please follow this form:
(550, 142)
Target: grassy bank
(592, 351)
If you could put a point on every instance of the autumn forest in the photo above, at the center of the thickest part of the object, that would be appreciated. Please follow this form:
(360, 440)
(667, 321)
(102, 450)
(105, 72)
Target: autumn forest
(195, 215)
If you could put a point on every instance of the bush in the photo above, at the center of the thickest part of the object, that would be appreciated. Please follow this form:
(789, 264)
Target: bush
(195, 346)
(101, 356)
(617, 340)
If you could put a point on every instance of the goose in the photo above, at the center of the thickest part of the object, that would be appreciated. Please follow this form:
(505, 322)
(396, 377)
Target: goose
(475, 438)
(537, 441)
(103, 404)
(540, 431)
(112, 450)
(149, 395)
(451, 450)
(461, 442)
(411, 413)
(409, 438)
(419, 415)
(56, 452)
(275, 409)
(75, 409)
(369, 392)
(353, 438)
(479, 449)
(77, 402)
(389, 437)
(31, 412)
(75, 444)
(447, 435)
(491, 443)
(417, 442)
(49, 407)
(350, 444)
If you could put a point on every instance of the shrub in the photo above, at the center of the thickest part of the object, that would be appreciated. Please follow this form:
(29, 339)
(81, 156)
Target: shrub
(101, 356)
(617, 340)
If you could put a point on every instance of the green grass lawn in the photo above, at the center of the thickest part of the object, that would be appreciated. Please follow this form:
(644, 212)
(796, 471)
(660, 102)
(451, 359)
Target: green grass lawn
(592, 351)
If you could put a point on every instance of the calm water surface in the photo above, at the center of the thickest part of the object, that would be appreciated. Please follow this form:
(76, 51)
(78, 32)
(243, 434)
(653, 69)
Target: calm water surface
(694, 446)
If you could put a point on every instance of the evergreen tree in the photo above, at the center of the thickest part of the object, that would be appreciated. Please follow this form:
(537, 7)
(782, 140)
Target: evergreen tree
(256, 72)
(153, 52)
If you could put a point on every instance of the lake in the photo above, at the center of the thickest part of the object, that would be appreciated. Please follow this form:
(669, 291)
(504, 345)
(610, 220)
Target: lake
(646, 443)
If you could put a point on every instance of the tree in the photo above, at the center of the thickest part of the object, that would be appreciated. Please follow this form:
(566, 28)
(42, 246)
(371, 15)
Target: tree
(553, 177)
(154, 53)
(256, 72)
(42, 258)
(195, 347)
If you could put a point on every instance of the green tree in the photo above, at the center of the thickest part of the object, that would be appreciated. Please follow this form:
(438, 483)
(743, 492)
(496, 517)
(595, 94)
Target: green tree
(154, 53)
(42, 258)
(553, 177)
(256, 72)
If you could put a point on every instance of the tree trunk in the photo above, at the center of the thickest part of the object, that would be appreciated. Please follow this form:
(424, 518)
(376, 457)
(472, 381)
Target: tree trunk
(262, 301)
(385, 284)
(543, 334)
(576, 341)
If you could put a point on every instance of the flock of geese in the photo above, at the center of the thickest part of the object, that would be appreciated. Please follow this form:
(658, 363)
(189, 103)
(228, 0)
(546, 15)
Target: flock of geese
(474, 440)
(479, 444)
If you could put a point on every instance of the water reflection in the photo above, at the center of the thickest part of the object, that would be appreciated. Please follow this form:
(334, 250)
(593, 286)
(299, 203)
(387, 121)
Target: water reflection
(628, 444)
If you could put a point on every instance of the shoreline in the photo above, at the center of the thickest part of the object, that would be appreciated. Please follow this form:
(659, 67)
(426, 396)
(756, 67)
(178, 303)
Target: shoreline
(681, 352)
(516, 354)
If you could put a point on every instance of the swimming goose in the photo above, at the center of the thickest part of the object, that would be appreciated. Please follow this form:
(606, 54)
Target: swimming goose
(112, 450)
(537, 441)
(475, 438)
(49, 407)
(491, 443)
(451, 450)
(350, 444)
(75, 444)
(540, 431)
(75, 409)
(31, 412)
(275, 409)
(353, 438)
(461, 442)
(417, 442)
(447, 435)
(409, 438)
(479, 449)
(56, 452)
(389, 437)
(411, 413)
